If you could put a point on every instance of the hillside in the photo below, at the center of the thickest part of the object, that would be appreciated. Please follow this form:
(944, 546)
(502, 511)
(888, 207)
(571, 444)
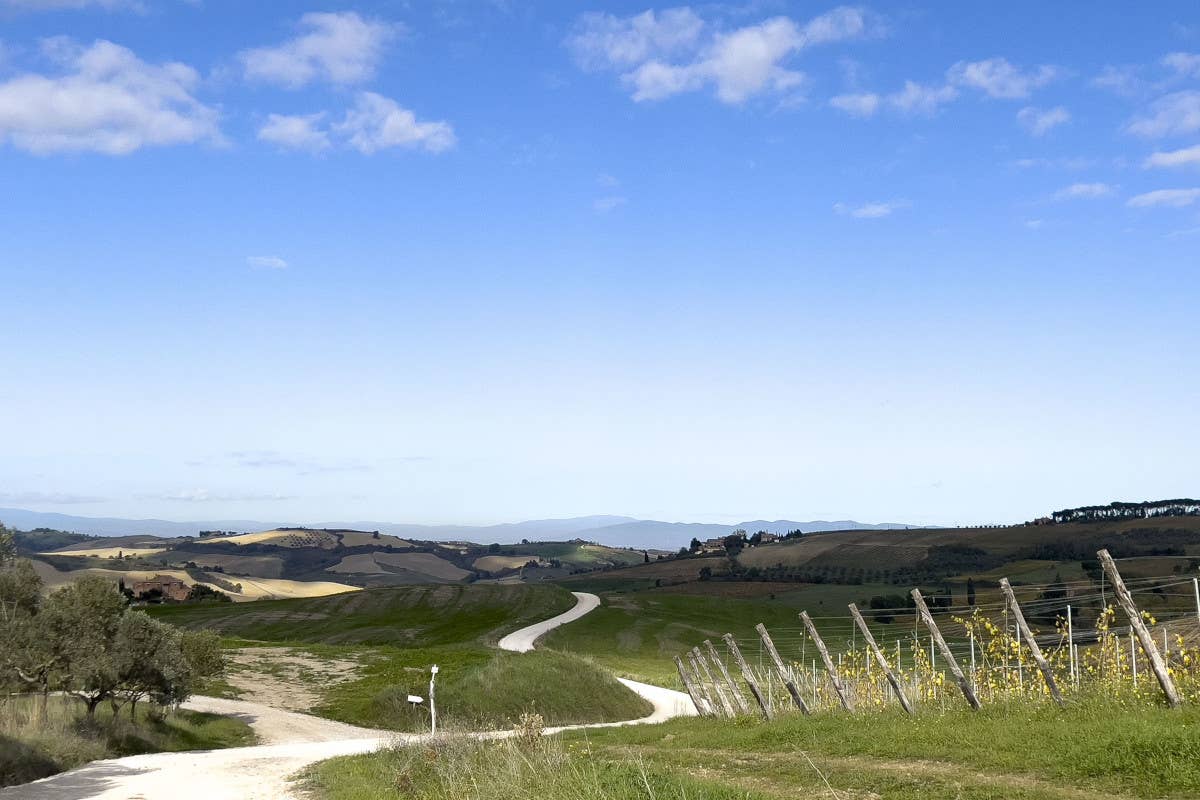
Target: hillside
(304, 562)
(614, 531)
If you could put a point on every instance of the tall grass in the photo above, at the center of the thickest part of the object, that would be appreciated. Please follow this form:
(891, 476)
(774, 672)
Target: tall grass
(35, 743)
(510, 769)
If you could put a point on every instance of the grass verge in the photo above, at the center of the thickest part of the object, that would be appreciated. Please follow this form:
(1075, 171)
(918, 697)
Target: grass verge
(1089, 751)
(33, 746)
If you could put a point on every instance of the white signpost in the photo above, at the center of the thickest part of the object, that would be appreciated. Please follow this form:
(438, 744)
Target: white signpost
(432, 705)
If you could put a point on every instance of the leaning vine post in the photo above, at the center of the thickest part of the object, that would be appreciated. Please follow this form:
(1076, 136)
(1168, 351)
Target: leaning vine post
(747, 675)
(879, 659)
(1139, 627)
(739, 699)
(703, 687)
(1047, 673)
(697, 701)
(829, 667)
(927, 618)
(726, 706)
(784, 676)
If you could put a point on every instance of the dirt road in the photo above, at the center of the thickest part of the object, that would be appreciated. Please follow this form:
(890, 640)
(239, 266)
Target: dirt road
(291, 741)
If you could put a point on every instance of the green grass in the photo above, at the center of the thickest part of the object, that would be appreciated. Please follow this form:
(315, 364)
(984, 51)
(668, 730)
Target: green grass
(636, 634)
(33, 747)
(396, 634)
(480, 690)
(1091, 750)
(410, 616)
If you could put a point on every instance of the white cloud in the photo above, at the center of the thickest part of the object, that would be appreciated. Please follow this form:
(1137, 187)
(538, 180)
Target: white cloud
(1172, 198)
(1121, 80)
(603, 41)
(1039, 121)
(607, 181)
(342, 48)
(377, 122)
(48, 498)
(1184, 64)
(1083, 190)
(874, 210)
(295, 132)
(266, 262)
(207, 496)
(106, 101)
(916, 98)
(1172, 115)
(1188, 156)
(856, 105)
(1034, 224)
(998, 78)
(605, 204)
(676, 51)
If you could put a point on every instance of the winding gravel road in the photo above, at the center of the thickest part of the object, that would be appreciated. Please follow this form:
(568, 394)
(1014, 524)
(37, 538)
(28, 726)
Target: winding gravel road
(291, 741)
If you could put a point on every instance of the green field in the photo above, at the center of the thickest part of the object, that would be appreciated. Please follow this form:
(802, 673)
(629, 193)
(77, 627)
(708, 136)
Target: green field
(394, 635)
(1002, 753)
(636, 634)
(416, 616)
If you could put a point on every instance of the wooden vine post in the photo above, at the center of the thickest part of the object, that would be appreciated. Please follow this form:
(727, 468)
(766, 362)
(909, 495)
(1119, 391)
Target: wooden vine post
(829, 668)
(697, 701)
(927, 618)
(784, 675)
(726, 706)
(747, 675)
(1027, 634)
(879, 659)
(1125, 599)
(739, 699)
(713, 710)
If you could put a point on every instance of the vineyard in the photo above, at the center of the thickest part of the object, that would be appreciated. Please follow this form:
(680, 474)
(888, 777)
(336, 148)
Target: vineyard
(1098, 645)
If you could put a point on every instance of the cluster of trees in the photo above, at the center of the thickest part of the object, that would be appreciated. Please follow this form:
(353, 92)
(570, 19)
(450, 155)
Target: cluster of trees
(1179, 507)
(85, 641)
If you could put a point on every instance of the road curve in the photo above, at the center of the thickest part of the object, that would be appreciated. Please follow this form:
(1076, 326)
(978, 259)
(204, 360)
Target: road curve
(522, 641)
(291, 742)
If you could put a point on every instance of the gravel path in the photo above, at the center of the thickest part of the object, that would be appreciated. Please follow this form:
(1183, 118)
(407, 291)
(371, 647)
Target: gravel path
(291, 741)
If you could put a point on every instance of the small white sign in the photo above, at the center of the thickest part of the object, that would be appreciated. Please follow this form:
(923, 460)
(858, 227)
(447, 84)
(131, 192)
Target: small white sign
(412, 698)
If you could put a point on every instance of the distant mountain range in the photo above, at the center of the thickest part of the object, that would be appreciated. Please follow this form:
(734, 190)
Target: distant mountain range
(614, 531)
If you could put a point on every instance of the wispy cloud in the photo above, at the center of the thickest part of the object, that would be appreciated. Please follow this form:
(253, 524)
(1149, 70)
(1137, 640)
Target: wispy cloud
(373, 124)
(105, 100)
(916, 98)
(1083, 191)
(873, 210)
(605, 204)
(863, 104)
(208, 496)
(341, 48)
(1172, 198)
(998, 78)
(1040, 121)
(266, 262)
(1173, 115)
(1186, 157)
(1186, 65)
(48, 498)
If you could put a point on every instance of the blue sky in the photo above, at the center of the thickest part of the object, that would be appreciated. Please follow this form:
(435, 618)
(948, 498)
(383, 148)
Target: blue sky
(485, 261)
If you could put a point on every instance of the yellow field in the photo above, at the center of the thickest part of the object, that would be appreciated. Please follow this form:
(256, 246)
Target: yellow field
(107, 552)
(309, 538)
(495, 563)
(252, 588)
